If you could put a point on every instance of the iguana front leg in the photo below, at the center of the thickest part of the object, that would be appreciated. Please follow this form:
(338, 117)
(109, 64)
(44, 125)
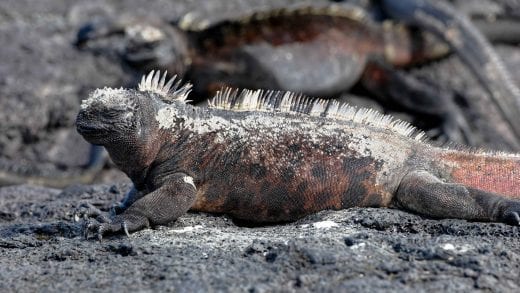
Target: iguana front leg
(426, 194)
(159, 207)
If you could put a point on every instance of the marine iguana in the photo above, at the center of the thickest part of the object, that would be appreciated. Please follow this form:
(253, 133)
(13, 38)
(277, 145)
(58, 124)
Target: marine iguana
(258, 48)
(268, 156)
(323, 49)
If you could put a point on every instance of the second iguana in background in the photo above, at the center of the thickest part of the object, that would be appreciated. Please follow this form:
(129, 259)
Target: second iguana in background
(324, 49)
(265, 156)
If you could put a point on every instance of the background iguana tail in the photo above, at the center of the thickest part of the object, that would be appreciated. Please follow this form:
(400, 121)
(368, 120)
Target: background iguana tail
(471, 46)
(97, 160)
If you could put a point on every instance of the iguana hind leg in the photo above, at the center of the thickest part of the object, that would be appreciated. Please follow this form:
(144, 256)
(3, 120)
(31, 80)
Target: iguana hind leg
(160, 207)
(426, 194)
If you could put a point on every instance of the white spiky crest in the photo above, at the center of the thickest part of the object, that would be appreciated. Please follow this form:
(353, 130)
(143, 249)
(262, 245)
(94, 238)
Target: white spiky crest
(168, 91)
(288, 102)
(478, 151)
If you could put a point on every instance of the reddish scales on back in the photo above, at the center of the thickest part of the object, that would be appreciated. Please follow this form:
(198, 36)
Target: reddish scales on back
(258, 50)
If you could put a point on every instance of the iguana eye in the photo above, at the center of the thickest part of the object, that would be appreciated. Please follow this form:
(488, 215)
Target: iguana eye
(112, 114)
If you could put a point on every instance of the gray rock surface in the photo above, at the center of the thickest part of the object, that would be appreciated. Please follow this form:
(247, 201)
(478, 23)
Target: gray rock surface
(42, 80)
(356, 250)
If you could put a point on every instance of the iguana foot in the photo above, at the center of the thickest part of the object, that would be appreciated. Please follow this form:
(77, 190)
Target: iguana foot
(127, 222)
(87, 210)
(453, 128)
(100, 229)
(511, 214)
(98, 221)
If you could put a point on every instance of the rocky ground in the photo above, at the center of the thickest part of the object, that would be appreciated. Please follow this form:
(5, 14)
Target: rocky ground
(42, 80)
(356, 250)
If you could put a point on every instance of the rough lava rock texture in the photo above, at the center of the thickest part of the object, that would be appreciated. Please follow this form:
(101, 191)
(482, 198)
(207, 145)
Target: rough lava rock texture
(356, 250)
(42, 80)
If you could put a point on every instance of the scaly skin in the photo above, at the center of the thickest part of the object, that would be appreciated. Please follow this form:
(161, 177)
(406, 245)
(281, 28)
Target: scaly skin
(275, 157)
(498, 173)
(313, 50)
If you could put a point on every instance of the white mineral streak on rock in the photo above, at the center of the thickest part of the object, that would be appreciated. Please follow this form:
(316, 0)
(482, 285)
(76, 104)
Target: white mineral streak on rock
(325, 224)
(457, 248)
(188, 229)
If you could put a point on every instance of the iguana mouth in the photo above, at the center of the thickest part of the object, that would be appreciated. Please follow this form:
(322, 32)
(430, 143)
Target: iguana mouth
(89, 129)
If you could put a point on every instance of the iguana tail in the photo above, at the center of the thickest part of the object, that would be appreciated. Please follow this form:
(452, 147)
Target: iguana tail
(497, 173)
(441, 19)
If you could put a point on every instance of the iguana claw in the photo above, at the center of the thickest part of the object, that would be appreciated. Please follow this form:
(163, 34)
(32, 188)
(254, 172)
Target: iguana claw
(87, 210)
(99, 222)
(101, 229)
(89, 226)
(125, 228)
(512, 218)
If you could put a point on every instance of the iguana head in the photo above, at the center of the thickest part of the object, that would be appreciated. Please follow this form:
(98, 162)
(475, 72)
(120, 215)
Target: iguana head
(140, 42)
(109, 114)
(127, 116)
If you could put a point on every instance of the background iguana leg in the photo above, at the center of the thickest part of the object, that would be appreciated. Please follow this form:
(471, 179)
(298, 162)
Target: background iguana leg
(426, 194)
(441, 19)
(130, 197)
(396, 88)
(159, 207)
(87, 210)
